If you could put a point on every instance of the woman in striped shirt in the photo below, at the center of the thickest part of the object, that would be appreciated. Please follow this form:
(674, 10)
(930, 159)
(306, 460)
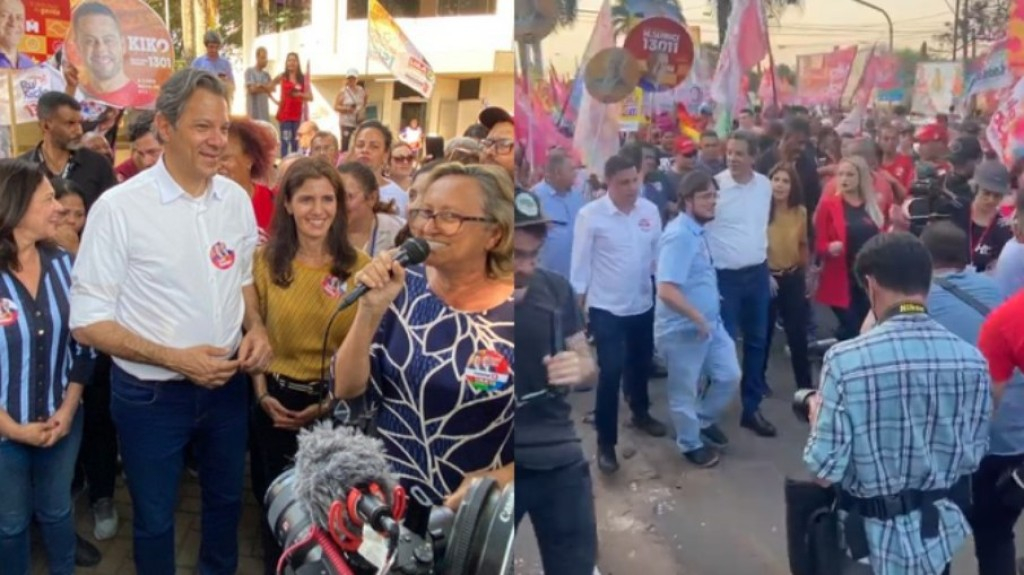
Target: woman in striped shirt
(42, 374)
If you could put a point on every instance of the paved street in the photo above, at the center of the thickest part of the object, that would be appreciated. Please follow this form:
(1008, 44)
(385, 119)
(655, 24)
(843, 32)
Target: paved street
(659, 515)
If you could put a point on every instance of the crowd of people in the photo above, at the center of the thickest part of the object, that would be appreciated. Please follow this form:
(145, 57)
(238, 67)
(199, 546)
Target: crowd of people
(692, 254)
(168, 312)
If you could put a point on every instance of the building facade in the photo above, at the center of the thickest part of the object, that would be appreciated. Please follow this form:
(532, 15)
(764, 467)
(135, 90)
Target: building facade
(468, 43)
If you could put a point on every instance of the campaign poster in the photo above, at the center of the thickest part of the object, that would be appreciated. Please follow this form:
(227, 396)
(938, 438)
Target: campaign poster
(664, 49)
(122, 50)
(46, 25)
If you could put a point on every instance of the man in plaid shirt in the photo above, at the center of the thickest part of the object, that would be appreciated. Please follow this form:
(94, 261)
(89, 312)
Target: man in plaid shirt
(901, 417)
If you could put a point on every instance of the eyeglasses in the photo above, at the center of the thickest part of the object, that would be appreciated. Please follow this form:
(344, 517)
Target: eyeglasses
(447, 223)
(403, 159)
(500, 146)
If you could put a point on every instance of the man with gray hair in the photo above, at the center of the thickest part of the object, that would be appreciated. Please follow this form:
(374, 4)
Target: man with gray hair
(163, 284)
(561, 201)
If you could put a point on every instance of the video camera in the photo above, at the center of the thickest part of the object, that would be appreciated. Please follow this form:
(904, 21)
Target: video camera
(930, 199)
(340, 513)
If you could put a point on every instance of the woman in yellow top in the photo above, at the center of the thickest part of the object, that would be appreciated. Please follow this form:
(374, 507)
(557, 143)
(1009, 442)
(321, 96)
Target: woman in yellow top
(301, 274)
(788, 255)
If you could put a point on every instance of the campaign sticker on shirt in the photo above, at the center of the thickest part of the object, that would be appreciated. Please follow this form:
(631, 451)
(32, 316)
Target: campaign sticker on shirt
(8, 312)
(645, 224)
(333, 287)
(487, 371)
(221, 256)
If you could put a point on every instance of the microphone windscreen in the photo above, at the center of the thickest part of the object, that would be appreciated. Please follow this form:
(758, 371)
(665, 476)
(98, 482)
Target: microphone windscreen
(329, 462)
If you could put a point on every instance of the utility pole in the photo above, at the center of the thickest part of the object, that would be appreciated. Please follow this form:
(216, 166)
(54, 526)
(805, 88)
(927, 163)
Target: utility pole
(956, 27)
(887, 19)
(967, 28)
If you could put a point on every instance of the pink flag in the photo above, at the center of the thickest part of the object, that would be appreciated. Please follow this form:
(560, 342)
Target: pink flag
(746, 44)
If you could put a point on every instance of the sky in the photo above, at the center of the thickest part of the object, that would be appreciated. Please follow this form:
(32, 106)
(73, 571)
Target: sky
(817, 27)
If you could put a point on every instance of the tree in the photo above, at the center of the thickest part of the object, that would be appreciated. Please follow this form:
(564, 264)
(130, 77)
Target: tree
(909, 59)
(723, 8)
(531, 59)
(628, 13)
(981, 21)
(784, 73)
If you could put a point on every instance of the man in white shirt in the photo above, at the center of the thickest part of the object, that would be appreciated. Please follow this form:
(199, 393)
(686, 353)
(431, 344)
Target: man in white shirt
(614, 252)
(738, 237)
(163, 283)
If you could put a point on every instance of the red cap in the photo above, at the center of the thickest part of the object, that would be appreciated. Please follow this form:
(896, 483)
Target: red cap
(932, 133)
(685, 146)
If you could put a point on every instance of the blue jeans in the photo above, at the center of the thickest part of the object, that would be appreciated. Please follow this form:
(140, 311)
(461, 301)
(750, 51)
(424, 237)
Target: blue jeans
(745, 299)
(36, 482)
(688, 357)
(155, 421)
(561, 507)
(625, 350)
(289, 137)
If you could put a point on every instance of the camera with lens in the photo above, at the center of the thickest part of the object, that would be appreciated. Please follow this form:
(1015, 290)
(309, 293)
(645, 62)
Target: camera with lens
(802, 404)
(932, 199)
(417, 538)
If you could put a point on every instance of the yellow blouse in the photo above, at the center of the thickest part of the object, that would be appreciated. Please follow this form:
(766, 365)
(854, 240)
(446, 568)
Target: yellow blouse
(296, 316)
(787, 239)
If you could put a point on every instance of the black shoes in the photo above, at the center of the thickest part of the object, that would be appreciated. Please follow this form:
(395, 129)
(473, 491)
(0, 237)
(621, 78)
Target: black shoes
(758, 424)
(650, 426)
(607, 462)
(86, 554)
(705, 457)
(713, 435)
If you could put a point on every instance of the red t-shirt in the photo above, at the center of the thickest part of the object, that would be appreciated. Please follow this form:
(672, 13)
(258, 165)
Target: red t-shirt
(901, 168)
(1001, 339)
(290, 109)
(263, 205)
(127, 96)
(126, 170)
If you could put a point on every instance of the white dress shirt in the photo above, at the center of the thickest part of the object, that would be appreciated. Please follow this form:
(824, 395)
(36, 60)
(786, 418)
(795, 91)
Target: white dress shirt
(614, 255)
(165, 265)
(738, 236)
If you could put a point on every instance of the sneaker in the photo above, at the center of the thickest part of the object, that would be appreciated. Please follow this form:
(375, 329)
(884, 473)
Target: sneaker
(86, 554)
(713, 435)
(607, 462)
(650, 426)
(106, 520)
(702, 457)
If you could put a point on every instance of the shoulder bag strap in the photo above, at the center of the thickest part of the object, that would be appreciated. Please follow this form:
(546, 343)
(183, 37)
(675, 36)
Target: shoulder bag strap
(963, 296)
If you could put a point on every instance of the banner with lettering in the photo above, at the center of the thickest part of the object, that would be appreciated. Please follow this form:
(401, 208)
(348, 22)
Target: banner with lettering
(857, 76)
(391, 47)
(938, 87)
(989, 72)
(1005, 132)
(122, 50)
(821, 78)
(664, 49)
(46, 25)
(632, 115)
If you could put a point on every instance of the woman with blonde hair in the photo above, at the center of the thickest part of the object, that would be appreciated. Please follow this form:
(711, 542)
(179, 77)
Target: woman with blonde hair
(843, 223)
(431, 346)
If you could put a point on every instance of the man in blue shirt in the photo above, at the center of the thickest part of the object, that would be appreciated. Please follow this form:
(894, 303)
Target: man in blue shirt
(900, 420)
(950, 303)
(688, 326)
(213, 63)
(560, 202)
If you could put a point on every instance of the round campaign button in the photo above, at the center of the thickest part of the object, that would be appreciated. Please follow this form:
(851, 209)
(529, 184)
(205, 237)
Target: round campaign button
(664, 50)
(611, 75)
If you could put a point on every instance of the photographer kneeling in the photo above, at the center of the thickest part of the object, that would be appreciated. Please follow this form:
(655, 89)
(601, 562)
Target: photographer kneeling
(898, 442)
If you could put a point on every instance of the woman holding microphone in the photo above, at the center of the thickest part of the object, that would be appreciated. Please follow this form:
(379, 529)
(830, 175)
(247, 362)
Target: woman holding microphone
(432, 345)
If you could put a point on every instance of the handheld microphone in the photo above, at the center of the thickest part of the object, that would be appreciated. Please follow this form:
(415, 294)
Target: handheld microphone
(413, 251)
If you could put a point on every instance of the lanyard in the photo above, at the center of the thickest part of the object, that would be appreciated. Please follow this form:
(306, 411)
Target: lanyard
(907, 308)
(373, 237)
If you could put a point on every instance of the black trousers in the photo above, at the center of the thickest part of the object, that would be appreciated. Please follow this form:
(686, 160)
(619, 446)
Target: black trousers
(97, 458)
(852, 318)
(271, 451)
(790, 302)
(560, 503)
(991, 520)
(625, 351)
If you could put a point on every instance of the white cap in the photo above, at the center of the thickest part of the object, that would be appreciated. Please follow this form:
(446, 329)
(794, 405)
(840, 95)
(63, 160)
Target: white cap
(352, 73)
